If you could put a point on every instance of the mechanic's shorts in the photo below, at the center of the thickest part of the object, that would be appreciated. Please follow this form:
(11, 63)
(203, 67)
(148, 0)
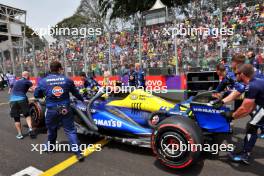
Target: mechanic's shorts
(19, 107)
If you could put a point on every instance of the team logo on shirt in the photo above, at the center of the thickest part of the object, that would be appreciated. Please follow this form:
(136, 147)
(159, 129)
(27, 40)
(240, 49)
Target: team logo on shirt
(57, 91)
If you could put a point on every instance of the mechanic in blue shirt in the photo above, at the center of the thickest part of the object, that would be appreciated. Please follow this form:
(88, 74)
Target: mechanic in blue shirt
(57, 88)
(254, 95)
(88, 83)
(19, 104)
(132, 74)
(235, 88)
(228, 80)
(136, 76)
(239, 88)
(258, 74)
(91, 82)
(141, 82)
(254, 62)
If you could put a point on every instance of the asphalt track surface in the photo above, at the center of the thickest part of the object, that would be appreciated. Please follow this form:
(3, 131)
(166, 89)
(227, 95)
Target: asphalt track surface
(115, 159)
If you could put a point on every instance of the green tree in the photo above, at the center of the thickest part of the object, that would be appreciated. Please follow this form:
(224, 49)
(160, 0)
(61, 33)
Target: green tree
(126, 8)
(31, 35)
(30, 32)
(74, 21)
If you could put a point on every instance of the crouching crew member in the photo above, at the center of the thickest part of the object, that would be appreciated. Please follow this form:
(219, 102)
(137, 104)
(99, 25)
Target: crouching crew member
(56, 87)
(254, 95)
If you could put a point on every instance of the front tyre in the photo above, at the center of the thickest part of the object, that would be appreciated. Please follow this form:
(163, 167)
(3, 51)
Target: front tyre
(173, 142)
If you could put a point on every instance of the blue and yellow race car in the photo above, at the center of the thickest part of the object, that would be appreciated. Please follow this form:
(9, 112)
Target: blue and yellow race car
(142, 119)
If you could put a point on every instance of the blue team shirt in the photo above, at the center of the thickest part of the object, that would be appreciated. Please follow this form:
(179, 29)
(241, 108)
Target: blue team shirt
(20, 90)
(256, 65)
(255, 90)
(91, 83)
(229, 82)
(133, 82)
(56, 88)
(141, 78)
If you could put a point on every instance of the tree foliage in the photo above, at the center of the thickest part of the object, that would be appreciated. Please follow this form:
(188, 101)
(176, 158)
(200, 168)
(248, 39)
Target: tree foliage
(31, 35)
(30, 32)
(74, 21)
(126, 8)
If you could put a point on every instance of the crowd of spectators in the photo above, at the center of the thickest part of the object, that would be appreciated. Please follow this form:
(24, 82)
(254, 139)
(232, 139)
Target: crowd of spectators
(158, 49)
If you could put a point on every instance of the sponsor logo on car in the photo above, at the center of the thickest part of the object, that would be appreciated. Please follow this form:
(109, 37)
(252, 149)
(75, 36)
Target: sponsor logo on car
(108, 123)
(212, 111)
(133, 97)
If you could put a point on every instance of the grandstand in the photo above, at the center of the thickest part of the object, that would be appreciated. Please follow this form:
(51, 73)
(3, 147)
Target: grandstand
(149, 45)
(158, 50)
(12, 30)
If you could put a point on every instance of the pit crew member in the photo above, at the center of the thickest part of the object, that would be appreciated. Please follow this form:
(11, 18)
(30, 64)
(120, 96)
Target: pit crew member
(89, 83)
(19, 104)
(133, 80)
(141, 82)
(229, 81)
(57, 88)
(254, 95)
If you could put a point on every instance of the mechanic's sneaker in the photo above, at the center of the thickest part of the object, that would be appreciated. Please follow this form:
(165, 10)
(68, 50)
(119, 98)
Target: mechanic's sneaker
(19, 136)
(261, 136)
(80, 157)
(240, 157)
(32, 134)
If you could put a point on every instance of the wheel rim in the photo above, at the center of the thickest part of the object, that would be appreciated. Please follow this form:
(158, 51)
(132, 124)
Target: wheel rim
(171, 146)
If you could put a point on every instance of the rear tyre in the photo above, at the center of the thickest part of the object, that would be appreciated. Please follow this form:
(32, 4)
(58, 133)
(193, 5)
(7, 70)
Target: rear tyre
(172, 141)
(37, 115)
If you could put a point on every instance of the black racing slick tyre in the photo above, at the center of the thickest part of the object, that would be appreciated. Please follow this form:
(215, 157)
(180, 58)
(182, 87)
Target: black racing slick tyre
(177, 142)
(37, 115)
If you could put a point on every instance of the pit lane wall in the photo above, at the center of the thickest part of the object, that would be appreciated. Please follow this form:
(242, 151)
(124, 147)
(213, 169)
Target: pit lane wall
(175, 85)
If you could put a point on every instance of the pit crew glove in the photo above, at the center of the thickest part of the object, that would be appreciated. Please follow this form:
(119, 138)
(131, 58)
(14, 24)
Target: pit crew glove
(228, 115)
(217, 103)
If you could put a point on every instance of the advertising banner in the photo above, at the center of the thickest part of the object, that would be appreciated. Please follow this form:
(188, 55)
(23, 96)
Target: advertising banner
(152, 82)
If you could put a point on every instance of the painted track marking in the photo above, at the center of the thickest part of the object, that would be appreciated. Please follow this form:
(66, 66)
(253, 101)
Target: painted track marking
(30, 171)
(70, 161)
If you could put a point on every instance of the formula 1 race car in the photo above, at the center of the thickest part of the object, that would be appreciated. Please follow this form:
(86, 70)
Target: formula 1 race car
(145, 120)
